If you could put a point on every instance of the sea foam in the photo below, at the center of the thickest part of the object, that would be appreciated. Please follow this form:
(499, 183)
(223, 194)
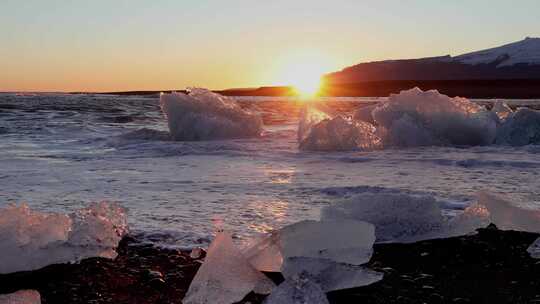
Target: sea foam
(204, 115)
(30, 239)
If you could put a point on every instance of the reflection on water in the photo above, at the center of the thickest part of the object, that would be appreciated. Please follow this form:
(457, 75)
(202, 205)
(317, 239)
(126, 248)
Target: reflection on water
(280, 176)
(267, 215)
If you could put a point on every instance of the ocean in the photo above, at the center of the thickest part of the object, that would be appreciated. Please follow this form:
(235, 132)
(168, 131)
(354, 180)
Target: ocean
(58, 152)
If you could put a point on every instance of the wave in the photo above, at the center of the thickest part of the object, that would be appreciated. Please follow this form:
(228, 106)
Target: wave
(204, 115)
(30, 239)
(417, 118)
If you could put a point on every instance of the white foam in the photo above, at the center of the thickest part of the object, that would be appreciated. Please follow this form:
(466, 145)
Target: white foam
(30, 240)
(204, 115)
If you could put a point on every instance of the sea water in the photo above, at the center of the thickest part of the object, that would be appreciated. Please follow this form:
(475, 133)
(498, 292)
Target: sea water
(59, 152)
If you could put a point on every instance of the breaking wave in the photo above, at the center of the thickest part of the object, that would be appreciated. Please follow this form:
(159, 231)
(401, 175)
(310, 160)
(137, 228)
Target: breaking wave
(204, 115)
(418, 118)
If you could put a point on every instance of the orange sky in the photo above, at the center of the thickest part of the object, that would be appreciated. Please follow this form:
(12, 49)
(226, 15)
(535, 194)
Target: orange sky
(141, 45)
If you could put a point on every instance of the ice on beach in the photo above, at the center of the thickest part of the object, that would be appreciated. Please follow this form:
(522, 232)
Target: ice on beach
(505, 215)
(501, 109)
(319, 132)
(520, 128)
(364, 114)
(397, 217)
(264, 252)
(226, 276)
(30, 239)
(21, 297)
(204, 115)
(330, 275)
(423, 118)
(344, 241)
(534, 249)
(298, 290)
(329, 251)
(408, 119)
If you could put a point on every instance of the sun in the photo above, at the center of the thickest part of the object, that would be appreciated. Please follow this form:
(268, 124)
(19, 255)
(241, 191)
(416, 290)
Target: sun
(303, 70)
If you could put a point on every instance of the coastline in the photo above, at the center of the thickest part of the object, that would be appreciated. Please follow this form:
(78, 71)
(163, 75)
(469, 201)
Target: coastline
(474, 88)
(491, 266)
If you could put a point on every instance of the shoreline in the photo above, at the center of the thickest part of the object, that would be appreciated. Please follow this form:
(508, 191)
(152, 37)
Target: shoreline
(475, 88)
(491, 266)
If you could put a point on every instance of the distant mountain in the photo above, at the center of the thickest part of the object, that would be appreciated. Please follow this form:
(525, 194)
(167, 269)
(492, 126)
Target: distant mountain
(518, 60)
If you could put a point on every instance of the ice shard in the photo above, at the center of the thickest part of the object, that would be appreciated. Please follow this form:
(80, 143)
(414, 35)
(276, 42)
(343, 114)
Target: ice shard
(226, 276)
(30, 239)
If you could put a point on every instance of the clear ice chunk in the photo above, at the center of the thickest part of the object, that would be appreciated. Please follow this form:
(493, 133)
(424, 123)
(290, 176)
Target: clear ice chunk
(345, 241)
(30, 239)
(300, 289)
(520, 128)
(21, 297)
(317, 131)
(397, 217)
(508, 216)
(226, 276)
(534, 249)
(330, 275)
(204, 115)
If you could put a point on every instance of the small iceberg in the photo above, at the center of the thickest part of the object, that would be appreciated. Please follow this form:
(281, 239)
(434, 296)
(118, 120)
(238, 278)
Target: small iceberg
(415, 118)
(204, 115)
(30, 239)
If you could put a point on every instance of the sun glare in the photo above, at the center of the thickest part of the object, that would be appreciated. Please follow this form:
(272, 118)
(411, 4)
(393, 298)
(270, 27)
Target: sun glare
(303, 70)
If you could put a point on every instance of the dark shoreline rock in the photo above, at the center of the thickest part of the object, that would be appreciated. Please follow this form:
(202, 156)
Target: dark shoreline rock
(491, 266)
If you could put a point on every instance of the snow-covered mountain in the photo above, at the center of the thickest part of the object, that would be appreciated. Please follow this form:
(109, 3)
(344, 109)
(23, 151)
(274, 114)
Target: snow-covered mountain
(526, 51)
(518, 60)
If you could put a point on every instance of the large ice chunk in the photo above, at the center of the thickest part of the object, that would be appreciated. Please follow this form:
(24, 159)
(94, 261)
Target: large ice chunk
(345, 241)
(506, 215)
(225, 276)
(30, 240)
(21, 297)
(318, 132)
(410, 118)
(397, 217)
(418, 118)
(204, 115)
(298, 290)
(520, 128)
(264, 252)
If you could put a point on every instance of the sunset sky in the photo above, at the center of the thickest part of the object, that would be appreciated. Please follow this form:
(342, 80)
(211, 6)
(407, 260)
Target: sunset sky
(153, 45)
